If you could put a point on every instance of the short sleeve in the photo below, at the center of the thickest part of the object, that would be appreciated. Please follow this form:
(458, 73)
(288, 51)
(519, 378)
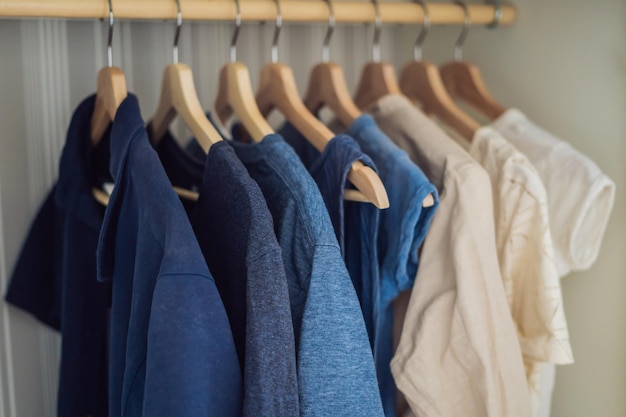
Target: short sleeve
(529, 272)
(35, 284)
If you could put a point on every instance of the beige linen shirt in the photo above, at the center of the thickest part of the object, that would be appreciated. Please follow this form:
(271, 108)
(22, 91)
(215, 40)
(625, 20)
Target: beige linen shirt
(525, 254)
(580, 200)
(458, 353)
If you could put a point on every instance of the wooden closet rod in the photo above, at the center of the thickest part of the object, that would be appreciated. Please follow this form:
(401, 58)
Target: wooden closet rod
(255, 10)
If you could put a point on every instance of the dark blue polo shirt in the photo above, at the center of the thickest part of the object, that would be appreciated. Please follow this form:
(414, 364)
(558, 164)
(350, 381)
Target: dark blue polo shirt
(236, 234)
(172, 350)
(55, 275)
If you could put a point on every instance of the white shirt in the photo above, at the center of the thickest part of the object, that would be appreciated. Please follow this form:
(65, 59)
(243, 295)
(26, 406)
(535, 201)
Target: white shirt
(458, 353)
(580, 196)
(525, 254)
(580, 200)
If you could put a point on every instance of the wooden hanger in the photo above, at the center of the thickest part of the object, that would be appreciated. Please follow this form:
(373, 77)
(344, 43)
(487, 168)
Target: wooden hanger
(327, 87)
(110, 93)
(464, 81)
(178, 96)
(378, 79)
(235, 92)
(111, 90)
(103, 198)
(327, 84)
(421, 81)
(277, 90)
(235, 95)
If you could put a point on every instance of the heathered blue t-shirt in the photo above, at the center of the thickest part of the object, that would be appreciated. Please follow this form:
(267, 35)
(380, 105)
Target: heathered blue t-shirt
(356, 224)
(336, 374)
(171, 347)
(236, 234)
(55, 275)
(403, 227)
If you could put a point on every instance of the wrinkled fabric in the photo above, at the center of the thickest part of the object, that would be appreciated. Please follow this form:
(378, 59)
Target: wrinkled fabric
(356, 224)
(171, 347)
(55, 275)
(458, 353)
(403, 227)
(236, 234)
(580, 200)
(580, 196)
(336, 374)
(526, 255)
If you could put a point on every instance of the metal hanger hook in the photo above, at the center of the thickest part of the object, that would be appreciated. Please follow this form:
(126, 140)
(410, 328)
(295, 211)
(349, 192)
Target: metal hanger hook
(179, 24)
(329, 32)
(110, 38)
(497, 14)
(421, 36)
(460, 41)
(277, 28)
(233, 40)
(378, 25)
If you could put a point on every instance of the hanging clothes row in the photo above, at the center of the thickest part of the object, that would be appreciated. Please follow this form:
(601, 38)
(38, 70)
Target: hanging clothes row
(401, 259)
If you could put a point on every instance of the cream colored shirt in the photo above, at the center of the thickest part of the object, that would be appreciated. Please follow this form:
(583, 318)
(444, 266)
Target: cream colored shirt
(525, 254)
(580, 196)
(458, 353)
(580, 200)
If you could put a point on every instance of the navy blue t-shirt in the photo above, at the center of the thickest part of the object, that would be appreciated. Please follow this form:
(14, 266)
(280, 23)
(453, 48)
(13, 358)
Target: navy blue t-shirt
(55, 275)
(236, 234)
(172, 350)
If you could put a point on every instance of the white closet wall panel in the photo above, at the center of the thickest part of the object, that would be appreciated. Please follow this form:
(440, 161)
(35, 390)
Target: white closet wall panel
(22, 171)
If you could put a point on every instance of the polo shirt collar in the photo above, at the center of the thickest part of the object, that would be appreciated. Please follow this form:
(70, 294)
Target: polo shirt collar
(127, 123)
(127, 126)
(257, 151)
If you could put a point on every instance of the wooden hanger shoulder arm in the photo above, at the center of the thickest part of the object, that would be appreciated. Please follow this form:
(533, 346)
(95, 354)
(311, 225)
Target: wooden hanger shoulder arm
(111, 91)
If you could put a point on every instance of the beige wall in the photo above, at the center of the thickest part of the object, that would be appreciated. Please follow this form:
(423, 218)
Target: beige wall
(564, 64)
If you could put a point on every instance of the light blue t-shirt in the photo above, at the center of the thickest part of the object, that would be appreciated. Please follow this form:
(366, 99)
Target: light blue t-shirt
(336, 372)
(356, 224)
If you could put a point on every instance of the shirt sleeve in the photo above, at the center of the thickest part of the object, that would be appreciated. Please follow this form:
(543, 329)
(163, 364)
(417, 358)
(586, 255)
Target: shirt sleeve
(336, 372)
(35, 285)
(529, 272)
(458, 353)
(191, 366)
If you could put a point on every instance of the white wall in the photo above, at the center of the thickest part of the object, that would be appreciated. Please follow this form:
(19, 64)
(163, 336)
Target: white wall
(563, 64)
